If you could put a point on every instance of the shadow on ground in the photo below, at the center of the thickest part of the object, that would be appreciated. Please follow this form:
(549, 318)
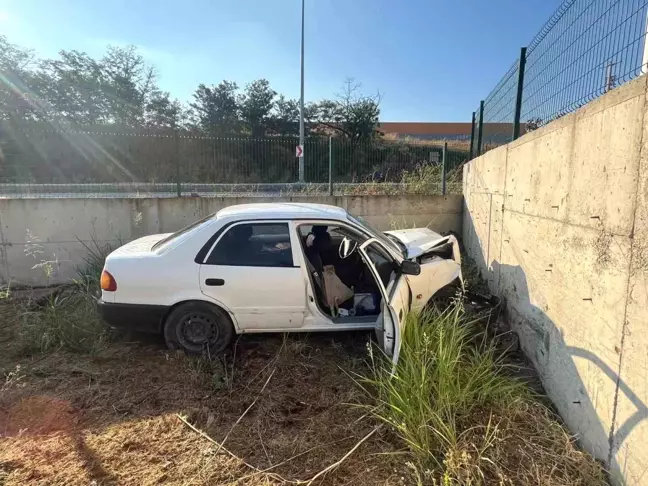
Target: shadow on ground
(280, 404)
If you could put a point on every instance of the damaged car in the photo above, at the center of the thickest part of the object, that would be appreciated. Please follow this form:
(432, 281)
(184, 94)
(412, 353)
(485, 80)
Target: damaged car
(283, 267)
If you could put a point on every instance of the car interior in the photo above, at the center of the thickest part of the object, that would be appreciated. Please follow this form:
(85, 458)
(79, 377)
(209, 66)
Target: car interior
(322, 247)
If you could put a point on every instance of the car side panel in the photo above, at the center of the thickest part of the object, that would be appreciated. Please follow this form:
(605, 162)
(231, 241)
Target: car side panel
(259, 297)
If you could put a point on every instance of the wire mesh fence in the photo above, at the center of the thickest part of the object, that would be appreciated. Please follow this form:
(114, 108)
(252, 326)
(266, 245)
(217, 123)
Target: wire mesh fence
(65, 163)
(584, 50)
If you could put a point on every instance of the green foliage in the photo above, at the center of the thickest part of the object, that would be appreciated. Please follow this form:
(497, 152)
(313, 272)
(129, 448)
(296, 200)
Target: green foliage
(68, 318)
(352, 115)
(89, 273)
(445, 374)
(120, 90)
(216, 108)
(256, 105)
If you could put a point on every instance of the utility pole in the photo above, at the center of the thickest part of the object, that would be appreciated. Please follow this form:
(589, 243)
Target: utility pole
(301, 102)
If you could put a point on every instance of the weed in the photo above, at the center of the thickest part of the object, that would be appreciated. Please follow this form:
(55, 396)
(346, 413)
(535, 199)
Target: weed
(207, 371)
(68, 320)
(89, 272)
(13, 379)
(453, 403)
(441, 377)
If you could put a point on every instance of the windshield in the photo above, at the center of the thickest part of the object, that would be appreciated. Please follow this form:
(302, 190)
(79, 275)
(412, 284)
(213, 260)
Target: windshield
(393, 244)
(166, 242)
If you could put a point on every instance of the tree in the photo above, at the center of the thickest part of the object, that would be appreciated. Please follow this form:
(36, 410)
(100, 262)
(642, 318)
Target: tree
(163, 112)
(216, 109)
(130, 84)
(284, 119)
(352, 114)
(256, 105)
(73, 88)
(18, 98)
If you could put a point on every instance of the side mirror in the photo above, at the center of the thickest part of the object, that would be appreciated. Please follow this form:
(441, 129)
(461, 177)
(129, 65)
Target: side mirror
(408, 267)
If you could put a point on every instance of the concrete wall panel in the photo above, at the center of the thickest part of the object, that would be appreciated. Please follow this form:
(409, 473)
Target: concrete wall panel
(56, 225)
(573, 268)
(605, 164)
(538, 177)
(630, 437)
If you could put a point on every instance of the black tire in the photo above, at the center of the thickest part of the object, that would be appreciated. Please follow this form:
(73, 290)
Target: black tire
(197, 328)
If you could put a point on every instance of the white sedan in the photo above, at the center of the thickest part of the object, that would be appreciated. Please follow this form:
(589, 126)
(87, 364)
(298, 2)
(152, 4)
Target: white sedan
(275, 268)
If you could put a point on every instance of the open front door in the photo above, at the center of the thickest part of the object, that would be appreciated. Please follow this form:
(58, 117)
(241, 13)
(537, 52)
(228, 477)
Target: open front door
(395, 297)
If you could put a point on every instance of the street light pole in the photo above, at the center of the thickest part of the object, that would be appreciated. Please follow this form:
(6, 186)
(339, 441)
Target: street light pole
(301, 102)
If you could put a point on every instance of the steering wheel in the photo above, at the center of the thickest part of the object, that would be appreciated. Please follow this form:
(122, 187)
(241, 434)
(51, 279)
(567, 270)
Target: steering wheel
(347, 247)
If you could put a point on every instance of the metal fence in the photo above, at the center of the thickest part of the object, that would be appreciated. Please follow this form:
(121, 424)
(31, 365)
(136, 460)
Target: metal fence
(65, 163)
(585, 49)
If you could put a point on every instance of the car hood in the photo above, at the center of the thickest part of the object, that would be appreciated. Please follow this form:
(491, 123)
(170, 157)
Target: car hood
(418, 240)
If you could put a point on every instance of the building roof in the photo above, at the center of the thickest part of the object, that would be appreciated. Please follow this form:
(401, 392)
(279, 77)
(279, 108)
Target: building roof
(282, 211)
(426, 128)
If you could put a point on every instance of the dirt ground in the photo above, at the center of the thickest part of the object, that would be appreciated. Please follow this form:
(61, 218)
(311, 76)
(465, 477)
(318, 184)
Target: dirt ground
(281, 409)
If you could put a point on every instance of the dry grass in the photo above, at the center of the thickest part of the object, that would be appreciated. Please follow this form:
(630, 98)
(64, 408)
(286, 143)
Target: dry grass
(454, 401)
(273, 411)
(110, 417)
(520, 444)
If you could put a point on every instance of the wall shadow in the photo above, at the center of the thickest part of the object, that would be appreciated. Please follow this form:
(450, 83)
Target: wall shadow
(555, 361)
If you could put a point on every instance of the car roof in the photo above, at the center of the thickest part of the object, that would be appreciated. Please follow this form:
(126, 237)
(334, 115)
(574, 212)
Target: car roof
(282, 211)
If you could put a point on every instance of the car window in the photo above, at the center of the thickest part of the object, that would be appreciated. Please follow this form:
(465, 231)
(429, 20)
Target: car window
(254, 245)
(382, 263)
(184, 231)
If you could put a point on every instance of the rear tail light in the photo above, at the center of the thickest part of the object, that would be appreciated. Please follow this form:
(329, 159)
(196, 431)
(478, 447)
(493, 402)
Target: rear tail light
(108, 282)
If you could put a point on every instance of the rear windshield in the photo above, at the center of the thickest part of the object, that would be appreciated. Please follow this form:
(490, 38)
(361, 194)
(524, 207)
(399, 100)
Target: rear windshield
(165, 242)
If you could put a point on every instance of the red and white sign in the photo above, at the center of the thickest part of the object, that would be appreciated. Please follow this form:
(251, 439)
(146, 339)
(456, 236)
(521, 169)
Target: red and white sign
(299, 151)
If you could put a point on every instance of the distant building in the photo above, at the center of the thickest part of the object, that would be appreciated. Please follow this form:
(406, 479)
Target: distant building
(426, 130)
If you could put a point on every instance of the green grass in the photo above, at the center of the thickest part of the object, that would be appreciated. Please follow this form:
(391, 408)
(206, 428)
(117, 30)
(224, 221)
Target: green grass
(443, 375)
(67, 319)
(461, 416)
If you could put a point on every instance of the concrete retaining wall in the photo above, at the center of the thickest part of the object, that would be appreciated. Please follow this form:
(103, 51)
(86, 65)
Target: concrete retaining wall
(53, 232)
(558, 223)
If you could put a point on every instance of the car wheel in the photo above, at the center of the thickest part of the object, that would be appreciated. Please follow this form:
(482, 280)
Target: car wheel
(198, 327)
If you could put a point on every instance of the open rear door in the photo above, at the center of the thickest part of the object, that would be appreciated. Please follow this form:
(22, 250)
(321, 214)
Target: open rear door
(395, 301)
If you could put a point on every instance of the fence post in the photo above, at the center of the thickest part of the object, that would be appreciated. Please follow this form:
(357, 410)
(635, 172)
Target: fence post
(472, 136)
(520, 88)
(444, 168)
(176, 151)
(480, 129)
(330, 166)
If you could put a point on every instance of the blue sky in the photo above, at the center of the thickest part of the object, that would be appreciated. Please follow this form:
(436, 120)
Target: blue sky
(431, 60)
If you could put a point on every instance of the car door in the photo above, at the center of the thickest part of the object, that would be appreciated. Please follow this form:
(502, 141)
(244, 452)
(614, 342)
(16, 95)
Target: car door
(251, 270)
(395, 296)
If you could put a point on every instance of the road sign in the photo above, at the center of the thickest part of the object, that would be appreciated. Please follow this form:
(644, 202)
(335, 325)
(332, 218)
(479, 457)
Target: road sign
(299, 151)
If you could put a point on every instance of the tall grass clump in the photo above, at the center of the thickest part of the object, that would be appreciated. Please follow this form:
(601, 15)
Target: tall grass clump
(426, 179)
(68, 318)
(443, 375)
(453, 402)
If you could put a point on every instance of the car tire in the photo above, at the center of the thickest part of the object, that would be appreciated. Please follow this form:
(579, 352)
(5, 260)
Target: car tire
(197, 328)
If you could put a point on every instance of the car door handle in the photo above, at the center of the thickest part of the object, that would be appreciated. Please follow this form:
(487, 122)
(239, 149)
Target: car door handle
(214, 282)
